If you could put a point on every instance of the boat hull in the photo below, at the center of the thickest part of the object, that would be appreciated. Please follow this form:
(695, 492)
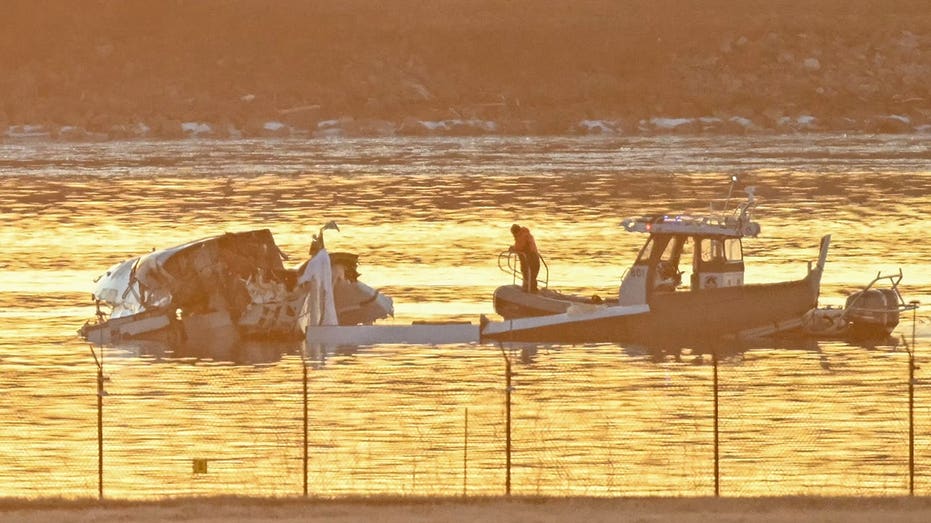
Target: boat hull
(577, 325)
(722, 312)
(679, 316)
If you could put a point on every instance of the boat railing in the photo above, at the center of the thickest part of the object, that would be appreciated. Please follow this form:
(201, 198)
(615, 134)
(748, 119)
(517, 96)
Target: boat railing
(509, 263)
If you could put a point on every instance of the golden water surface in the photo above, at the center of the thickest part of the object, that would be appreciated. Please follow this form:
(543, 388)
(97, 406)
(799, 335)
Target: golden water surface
(429, 217)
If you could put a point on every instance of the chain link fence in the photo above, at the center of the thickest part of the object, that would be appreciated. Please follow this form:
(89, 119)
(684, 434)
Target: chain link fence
(444, 421)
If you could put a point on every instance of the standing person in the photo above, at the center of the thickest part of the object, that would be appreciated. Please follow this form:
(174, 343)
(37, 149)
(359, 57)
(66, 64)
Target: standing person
(526, 248)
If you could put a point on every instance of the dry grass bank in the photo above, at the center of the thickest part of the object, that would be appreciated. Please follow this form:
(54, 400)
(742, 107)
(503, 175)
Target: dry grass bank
(100, 64)
(538, 510)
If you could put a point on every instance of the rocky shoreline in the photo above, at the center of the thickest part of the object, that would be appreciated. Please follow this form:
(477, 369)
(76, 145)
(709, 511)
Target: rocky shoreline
(244, 68)
(351, 128)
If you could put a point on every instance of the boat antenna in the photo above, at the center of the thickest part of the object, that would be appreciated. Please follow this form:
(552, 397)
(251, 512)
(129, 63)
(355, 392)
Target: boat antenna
(730, 190)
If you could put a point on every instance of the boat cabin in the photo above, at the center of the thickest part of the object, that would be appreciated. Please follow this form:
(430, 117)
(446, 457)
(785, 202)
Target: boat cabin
(687, 254)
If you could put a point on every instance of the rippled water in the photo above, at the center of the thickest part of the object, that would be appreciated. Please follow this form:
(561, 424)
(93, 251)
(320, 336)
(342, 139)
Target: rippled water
(428, 218)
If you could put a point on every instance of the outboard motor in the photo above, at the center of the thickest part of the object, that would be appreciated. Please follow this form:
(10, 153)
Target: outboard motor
(872, 312)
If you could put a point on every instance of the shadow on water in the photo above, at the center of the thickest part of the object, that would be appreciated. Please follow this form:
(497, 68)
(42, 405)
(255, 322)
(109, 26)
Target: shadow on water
(255, 352)
(702, 352)
(529, 353)
(238, 353)
(696, 352)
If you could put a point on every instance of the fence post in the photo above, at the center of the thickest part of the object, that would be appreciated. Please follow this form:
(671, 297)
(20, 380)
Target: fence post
(465, 456)
(306, 442)
(507, 410)
(100, 394)
(717, 469)
(911, 406)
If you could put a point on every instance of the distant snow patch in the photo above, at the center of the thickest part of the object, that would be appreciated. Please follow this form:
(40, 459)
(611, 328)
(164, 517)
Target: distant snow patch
(901, 118)
(670, 123)
(452, 126)
(806, 120)
(596, 127)
(743, 122)
(329, 129)
(276, 129)
(196, 128)
(799, 123)
(27, 131)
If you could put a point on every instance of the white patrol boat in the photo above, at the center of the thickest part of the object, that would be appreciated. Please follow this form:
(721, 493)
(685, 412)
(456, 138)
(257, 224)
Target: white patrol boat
(655, 302)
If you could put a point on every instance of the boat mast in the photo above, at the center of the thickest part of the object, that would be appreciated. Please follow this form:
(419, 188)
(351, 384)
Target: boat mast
(730, 190)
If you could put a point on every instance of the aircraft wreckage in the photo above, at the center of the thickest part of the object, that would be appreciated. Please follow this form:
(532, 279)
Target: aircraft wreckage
(225, 288)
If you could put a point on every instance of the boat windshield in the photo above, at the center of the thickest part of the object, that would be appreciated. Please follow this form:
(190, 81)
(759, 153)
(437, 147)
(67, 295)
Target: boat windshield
(646, 253)
(721, 249)
(667, 275)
